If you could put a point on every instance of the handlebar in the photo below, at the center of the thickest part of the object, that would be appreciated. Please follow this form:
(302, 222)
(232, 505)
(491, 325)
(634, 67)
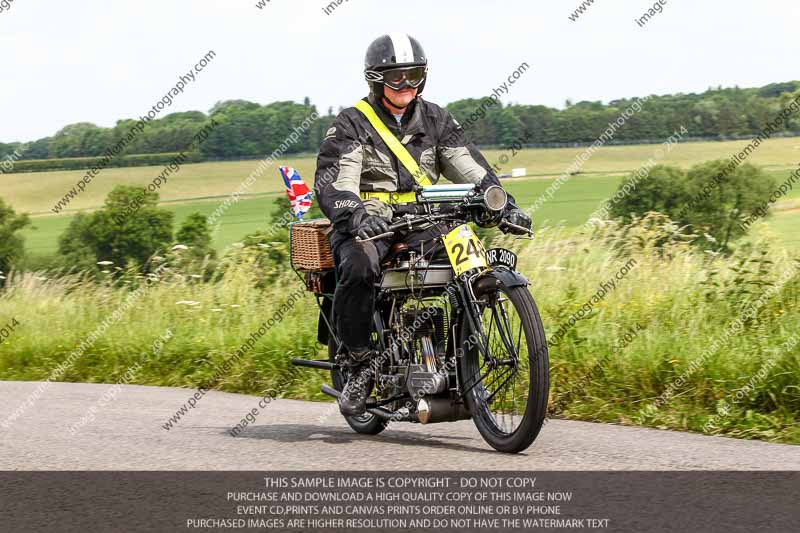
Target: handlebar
(483, 207)
(506, 224)
(407, 223)
(376, 237)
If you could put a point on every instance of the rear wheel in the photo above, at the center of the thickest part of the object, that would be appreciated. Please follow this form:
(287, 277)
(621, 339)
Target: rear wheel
(506, 389)
(366, 424)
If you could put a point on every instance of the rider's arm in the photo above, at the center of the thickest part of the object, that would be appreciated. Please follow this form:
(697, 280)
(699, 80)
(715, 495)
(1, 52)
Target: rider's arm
(336, 182)
(461, 162)
(459, 159)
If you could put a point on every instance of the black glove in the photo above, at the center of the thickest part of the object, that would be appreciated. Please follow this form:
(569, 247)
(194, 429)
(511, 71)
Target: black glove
(518, 217)
(366, 226)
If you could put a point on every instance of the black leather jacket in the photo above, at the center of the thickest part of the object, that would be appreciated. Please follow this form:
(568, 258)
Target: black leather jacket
(353, 158)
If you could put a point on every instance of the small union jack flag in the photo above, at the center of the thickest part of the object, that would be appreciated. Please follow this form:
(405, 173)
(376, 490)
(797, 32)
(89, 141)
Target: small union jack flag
(298, 192)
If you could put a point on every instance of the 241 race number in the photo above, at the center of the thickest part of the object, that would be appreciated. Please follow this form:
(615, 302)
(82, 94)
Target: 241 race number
(464, 249)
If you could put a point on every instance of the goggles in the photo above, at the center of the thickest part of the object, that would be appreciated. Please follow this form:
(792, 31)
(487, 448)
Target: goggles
(399, 78)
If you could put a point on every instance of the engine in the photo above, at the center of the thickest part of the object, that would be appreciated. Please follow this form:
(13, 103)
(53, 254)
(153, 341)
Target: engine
(421, 368)
(426, 373)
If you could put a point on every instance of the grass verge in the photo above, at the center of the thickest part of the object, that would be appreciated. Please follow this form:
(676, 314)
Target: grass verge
(639, 342)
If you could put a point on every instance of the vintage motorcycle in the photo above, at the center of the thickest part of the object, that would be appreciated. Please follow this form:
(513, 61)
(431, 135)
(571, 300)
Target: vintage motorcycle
(457, 332)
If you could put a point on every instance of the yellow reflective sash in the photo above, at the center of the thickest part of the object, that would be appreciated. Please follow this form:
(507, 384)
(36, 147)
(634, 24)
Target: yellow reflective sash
(390, 197)
(394, 145)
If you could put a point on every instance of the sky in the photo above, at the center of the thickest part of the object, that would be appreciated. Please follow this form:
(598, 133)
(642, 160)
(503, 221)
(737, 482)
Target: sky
(102, 60)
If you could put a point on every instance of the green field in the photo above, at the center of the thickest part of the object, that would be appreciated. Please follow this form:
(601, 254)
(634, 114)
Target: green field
(202, 187)
(679, 302)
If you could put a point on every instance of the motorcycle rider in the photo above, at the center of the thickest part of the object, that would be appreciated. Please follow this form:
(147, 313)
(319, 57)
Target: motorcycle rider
(359, 180)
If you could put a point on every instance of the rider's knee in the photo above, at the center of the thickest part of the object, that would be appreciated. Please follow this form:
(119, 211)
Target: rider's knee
(362, 263)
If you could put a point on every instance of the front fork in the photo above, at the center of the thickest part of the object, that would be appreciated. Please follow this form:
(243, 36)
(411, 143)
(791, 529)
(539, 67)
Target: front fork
(473, 313)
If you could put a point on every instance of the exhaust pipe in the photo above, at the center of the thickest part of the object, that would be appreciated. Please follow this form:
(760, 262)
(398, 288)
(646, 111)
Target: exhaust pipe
(423, 411)
(311, 363)
(432, 410)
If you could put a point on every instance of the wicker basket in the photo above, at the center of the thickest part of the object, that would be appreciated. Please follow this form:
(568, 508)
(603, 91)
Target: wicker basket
(309, 245)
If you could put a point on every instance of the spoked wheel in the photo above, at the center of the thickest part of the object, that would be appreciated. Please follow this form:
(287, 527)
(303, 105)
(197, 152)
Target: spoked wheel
(366, 424)
(507, 390)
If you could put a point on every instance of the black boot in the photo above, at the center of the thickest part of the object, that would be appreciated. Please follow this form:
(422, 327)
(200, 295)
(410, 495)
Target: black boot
(353, 400)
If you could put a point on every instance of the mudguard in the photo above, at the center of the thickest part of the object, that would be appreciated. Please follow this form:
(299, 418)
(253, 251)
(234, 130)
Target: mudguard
(322, 327)
(325, 287)
(500, 276)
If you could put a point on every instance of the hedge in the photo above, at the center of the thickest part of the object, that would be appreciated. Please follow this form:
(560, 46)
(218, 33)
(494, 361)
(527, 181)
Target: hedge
(84, 163)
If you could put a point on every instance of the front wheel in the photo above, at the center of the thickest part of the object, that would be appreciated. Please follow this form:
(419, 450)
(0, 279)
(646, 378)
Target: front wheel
(506, 388)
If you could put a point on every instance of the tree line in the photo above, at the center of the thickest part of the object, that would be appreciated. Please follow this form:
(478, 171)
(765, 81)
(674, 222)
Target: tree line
(248, 129)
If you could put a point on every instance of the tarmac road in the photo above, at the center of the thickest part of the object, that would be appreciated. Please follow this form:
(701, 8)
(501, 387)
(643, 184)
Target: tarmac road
(128, 433)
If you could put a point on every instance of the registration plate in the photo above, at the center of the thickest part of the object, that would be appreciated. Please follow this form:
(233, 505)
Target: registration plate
(501, 257)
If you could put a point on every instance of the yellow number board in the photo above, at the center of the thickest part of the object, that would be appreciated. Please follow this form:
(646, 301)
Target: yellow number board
(464, 249)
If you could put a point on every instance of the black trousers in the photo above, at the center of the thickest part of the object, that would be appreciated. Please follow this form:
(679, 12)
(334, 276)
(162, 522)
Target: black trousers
(358, 272)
